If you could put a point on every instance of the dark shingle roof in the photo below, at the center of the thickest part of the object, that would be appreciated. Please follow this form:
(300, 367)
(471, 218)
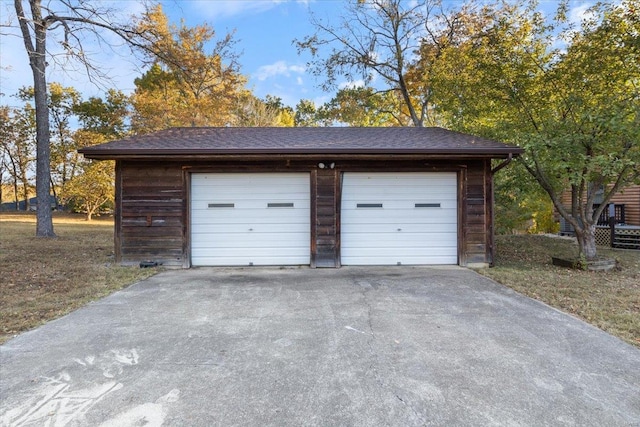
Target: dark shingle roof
(318, 140)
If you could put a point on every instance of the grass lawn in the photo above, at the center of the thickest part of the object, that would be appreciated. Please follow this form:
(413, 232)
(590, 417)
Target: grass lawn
(42, 279)
(608, 300)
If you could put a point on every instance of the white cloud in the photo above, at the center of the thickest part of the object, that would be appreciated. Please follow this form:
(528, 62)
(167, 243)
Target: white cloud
(321, 100)
(299, 69)
(278, 68)
(580, 13)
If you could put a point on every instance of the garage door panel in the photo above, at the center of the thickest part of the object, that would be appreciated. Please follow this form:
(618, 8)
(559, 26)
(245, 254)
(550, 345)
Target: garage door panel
(283, 207)
(261, 217)
(246, 192)
(277, 185)
(408, 203)
(284, 252)
(417, 233)
(243, 219)
(389, 240)
(273, 228)
(403, 251)
(406, 230)
(266, 213)
(231, 177)
(240, 260)
(436, 224)
(243, 259)
(372, 179)
(404, 193)
(214, 194)
(244, 199)
(407, 260)
(406, 186)
(391, 218)
(400, 218)
(227, 179)
(399, 215)
(423, 209)
(240, 240)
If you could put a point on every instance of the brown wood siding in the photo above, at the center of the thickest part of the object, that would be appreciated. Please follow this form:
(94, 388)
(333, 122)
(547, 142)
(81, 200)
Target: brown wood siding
(118, 214)
(629, 197)
(152, 213)
(152, 204)
(324, 218)
(490, 248)
(476, 236)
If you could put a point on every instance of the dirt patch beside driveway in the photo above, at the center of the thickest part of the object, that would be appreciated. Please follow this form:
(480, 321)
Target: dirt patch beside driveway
(353, 346)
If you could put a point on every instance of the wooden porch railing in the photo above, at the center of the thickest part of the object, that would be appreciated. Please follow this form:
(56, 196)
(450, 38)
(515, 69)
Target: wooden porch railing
(625, 237)
(605, 215)
(611, 229)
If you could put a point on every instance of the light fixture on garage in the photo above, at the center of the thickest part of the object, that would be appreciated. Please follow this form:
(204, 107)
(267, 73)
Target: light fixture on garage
(326, 165)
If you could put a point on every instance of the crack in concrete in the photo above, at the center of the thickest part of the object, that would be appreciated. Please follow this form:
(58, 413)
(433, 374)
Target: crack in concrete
(365, 287)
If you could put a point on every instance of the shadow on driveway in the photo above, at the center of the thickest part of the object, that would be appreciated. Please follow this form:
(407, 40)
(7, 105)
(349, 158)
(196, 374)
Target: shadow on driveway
(396, 346)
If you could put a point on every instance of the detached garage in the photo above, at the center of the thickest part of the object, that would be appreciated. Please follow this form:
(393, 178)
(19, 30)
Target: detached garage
(322, 197)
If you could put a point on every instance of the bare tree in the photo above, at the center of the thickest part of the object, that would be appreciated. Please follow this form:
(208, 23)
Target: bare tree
(69, 22)
(17, 141)
(375, 38)
(392, 45)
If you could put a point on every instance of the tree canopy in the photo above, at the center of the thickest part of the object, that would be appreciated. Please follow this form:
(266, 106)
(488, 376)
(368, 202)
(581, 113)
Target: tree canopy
(569, 96)
(186, 85)
(374, 39)
(75, 123)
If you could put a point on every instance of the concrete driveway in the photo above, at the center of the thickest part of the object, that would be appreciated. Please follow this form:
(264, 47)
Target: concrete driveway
(396, 346)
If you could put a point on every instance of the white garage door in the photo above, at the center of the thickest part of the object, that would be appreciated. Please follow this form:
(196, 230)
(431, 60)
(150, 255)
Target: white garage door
(250, 219)
(399, 218)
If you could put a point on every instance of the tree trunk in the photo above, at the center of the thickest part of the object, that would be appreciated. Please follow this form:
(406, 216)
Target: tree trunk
(15, 194)
(37, 60)
(25, 194)
(15, 185)
(55, 195)
(44, 219)
(587, 241)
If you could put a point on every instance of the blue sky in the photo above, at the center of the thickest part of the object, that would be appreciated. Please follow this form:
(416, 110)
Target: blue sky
(264, 30)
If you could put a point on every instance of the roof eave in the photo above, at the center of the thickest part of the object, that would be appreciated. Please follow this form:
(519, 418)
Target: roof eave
(113, 154)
